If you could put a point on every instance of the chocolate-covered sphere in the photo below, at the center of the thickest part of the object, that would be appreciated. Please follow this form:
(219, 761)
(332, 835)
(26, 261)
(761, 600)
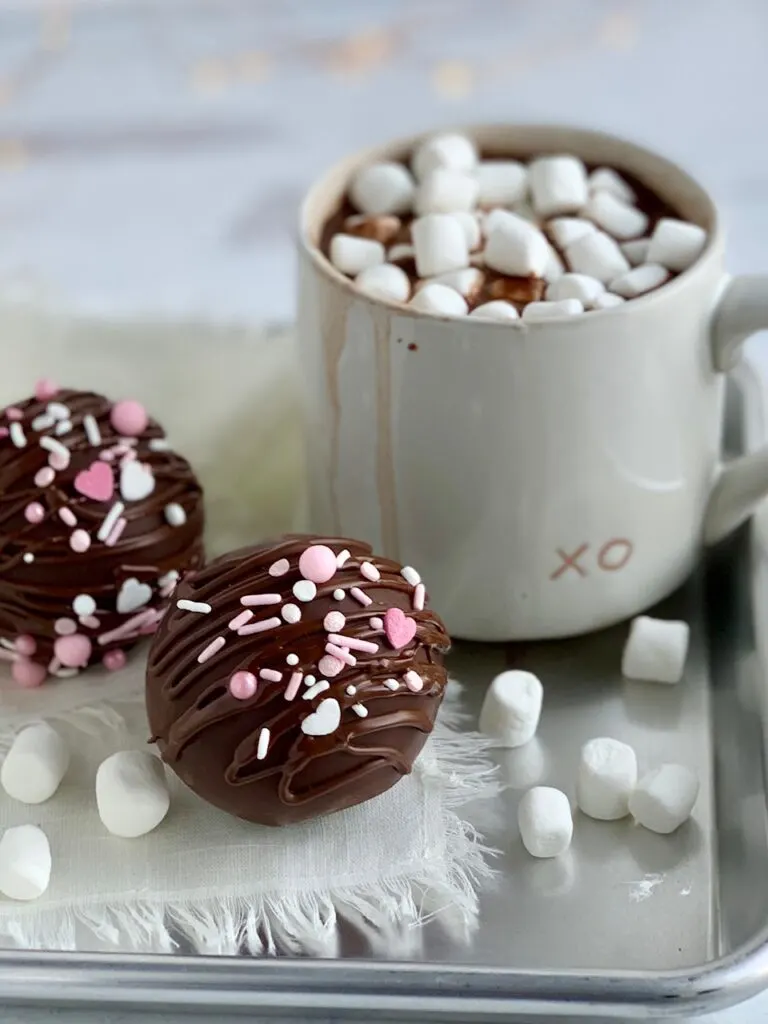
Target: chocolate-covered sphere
(295, 678)
(98, 518)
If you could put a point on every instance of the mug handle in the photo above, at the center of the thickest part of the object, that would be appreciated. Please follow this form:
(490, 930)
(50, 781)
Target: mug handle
(742, 483)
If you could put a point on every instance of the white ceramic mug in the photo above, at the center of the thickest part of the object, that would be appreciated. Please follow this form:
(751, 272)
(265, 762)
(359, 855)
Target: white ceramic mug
(546, 479)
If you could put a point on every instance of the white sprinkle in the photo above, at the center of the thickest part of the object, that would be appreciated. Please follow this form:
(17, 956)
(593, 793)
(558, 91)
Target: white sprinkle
(259, 627)
(17, 435)
(309, 680)
(91, 428)
(292, 659)
(58, 411)
(28, 558)
(304, 590)
(410, 575)
(413, 681)
(271, 675)
(83, 605)
(9, 645)
(175, 514)
(369, 570)
(375, 622)
(360, 711)
(257, 600)
(207, 653)
(67, 516)
(279, 568)
(339, 594)
(55, 447)
(418, 597)
(291, 613)
(351, 690)
(42, 422)
(341, 558)
(169, 579)
(319, 687)
(240, 620)
(63, 427)
(334, 622)
(195, 606)
(110, 519)
(360, 597)
(263, 744)
(392, 684)
(158, 444)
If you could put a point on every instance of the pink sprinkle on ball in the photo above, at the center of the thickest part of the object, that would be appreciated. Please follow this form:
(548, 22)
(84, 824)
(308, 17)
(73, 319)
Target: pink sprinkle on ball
(73, 651)
(80, 541)
(115, 660)
(28, 674)
(26, 645)
(317, 564)
(34, 512)
(129, 418)
(243, 685)
(46, 389)
(44, 477)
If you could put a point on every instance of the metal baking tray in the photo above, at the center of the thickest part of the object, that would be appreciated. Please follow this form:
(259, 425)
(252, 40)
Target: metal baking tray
(629, 924)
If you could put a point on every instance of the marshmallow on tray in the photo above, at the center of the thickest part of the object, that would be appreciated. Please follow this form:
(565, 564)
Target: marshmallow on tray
(131, 793)
(664, 798)
(35, 765)
(501, 182)
(440, 244)
(576, 286)
(512, 708)
(386, 281)
(25, 862)
(547, 310)
(516, 247)
(606, 778)
(676, 243)
(564, 230)
(449, 149)
(545, 821)
(558, 185)
(496, 310)
(639, 280)
(446, 191)
(597, 255)
(656, 650)
(351, 254)
(605, 179)
(440, 300)
(382, 188)
(614, 216)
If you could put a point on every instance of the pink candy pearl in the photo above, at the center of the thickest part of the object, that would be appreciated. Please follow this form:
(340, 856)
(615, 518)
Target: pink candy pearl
(73, 651)
(26, 645)
(34, 512)
(243, 685)
(28, 674)
(45, 389)
(129, 418)
(330, 666)
(44, 477)
(113, 661)
(80, 541)
(317, 563)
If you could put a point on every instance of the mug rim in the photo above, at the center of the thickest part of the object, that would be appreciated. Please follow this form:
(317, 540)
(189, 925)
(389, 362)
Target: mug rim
(391, 148)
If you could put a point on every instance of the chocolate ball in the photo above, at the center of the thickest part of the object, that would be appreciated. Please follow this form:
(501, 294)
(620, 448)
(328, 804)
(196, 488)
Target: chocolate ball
(295, 678)
(98, 518)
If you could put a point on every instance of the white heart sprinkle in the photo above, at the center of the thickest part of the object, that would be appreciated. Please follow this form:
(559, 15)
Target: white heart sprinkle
(324, 720)
(133, 595)
(136, 481)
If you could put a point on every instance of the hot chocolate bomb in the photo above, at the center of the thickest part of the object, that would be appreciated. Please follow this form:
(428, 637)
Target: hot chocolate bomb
(295, 678)
(98, 517)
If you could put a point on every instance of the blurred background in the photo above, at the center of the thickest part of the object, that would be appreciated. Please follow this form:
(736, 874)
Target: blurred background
(153, 152)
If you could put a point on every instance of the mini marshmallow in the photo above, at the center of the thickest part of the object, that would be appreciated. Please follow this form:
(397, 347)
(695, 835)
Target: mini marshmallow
(35, 765)
(439, 299)
(656, 650)
(351, 254)
(494, 218)
(512, 708)
(382, 188)
(676, 243)
(555, 268)
(451, 150)
(608, 301)
(466, 282)
(558, 185)
(597, 255)
(471, 225)
(605, 179)
(516, 247)
(545, 821)
(639, 280)
(386, 282)
(547, 310)
(401, 251)
(664, 798)
(131, 793)
(497, 310)
(636, 251)
(576, 286)
(607, 775)
(615, 216)
(25, 862)
(445, 191)
(501, 182)
(564, 230)
(440, 244)
(382, 227)
(526, 211)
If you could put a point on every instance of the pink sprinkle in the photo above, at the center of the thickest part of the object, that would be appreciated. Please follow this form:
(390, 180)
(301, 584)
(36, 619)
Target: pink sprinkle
(132, 626)
(243, 685)
(418, 597)
(369, 570)
(107, 455)
(375, 622)
(89, 621)
(117, 532)
(209, 651)
(334, 621)
(13, 413)
(67, 516)
(129, 455)
(44, 477)
(26, 645)
(279, 568)
(359, 596)
(271, 675)
(259, 627)
(353, 643)
(113, 661)
(80, 541)
(317, 563)
(330, 666)
(129, 418)
(46, 389)
(73, 651)
(65, 627)
(34, 512)
(255, 600)
(58, 460)
(413, 681)
(28, 674)
(341, 653)
(4, 431)
(293, 685)
(241, 619)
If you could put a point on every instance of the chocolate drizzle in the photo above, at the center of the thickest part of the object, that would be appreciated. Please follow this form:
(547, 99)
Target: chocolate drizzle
(211, 738)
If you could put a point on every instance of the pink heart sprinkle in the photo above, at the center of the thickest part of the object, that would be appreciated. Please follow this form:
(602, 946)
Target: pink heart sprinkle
(97, 482)
(399, 628)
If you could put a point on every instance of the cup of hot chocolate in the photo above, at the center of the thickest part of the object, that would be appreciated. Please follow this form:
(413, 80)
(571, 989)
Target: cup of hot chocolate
(515, 341)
